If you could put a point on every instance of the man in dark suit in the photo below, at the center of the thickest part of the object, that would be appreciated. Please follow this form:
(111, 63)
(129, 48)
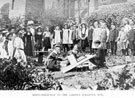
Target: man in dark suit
(99, 59)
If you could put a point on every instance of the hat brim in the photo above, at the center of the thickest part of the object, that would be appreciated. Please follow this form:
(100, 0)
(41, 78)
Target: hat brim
(83, 24)
(9, 35)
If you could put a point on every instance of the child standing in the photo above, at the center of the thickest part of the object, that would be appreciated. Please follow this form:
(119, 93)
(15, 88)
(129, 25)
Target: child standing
(65, 31)
(47, 39)
(57, 35)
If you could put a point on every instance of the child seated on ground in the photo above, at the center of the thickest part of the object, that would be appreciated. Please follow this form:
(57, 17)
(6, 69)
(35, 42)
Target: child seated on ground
(53, 59)
(99, 58)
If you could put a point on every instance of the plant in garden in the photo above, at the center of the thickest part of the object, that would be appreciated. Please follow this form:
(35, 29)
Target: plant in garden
(124, 80)
(21, 77)
(115, 11)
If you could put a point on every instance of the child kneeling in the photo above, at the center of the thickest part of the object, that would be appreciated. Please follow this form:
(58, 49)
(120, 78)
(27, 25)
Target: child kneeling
(99, 58)
(52, 61)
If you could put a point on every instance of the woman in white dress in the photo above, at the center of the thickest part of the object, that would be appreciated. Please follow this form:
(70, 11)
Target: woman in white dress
(57, 35)
(18, 51)
(96, 34)
(3, 53)
(65, 32)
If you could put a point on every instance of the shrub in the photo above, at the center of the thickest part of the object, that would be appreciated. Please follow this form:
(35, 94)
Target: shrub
(115, 12)
(21, 76)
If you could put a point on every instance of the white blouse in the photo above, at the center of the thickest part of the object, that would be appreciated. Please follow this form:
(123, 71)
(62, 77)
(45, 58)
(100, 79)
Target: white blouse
(57, 37)
(83, 31)
(70, 37)
(19, 45)
(3, 53)
(47, 34)
(65, 36)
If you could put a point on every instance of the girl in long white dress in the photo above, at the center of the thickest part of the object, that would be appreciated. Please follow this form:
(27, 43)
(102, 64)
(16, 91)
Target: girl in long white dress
(65, 31)
(18, 46)
(3, 53)
(57, 35)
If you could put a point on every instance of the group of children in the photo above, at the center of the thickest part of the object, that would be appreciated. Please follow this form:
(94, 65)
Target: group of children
(24, 41)
(54, 61)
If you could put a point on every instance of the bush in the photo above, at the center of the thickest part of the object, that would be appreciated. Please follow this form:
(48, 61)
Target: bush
(21, 76)
(125, 80)
(115, 12)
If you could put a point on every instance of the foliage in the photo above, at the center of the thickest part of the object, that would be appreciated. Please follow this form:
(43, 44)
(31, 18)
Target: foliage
(4, 22)
(21, 76)
(114, 13)
(124, 80)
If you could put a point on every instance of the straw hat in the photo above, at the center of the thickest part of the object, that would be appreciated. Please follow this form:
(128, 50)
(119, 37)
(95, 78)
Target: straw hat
(30, 22)
(58, 45)
(98, 42)
(83, 23)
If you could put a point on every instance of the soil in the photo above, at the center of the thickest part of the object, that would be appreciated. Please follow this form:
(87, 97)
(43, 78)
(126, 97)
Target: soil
(88, 79)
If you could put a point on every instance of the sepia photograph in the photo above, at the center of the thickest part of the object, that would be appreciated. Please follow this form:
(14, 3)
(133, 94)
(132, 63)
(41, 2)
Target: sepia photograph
(67, 45)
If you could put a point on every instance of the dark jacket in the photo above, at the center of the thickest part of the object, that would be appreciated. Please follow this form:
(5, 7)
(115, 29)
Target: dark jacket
(90, 33)
(52, 61)
(74, 35)
(131, 35)
(99, 59)
(113, 35)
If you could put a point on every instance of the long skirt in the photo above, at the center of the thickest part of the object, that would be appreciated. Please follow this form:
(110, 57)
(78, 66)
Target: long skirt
(29, 48)
(33, 47)
(47, 43)
(83, 44)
